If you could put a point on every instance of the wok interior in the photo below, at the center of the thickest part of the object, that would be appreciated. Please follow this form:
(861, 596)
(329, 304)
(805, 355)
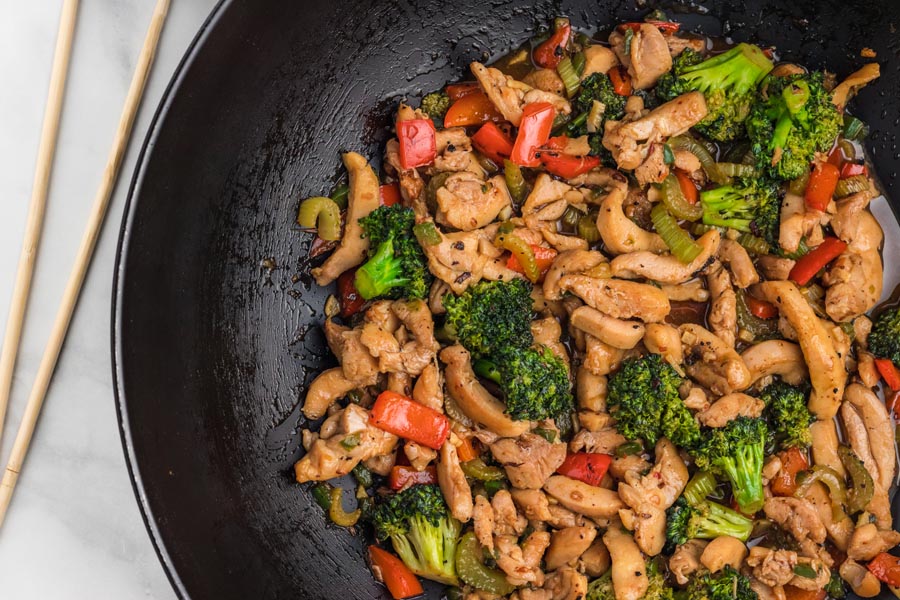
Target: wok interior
(217, 319)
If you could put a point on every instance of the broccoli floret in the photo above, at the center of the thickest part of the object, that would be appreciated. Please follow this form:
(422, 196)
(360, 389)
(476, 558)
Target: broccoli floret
(397, 267)
(596, 87)
(795, 120)
(727, 81)
(751, 206)
(491, 316)
(435, 104)
(736, 452)
(602, 587)
(534, 381)
(884, 340)
(424, 535)
(727, 584)
(707, 520)
(787, 414)
(643, 397)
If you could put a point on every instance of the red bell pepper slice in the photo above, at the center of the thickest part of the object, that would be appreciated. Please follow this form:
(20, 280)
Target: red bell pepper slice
(810, 264)
(820, 189)
(350, 299)
(852, 169)
(399, 580)
(549, 53)
(886, 567)
(585, 466)
(389, 194)
(543, 256)
(410, 420)
(836, 156)
(404, 475)
(472, 109)
(491, 141)
(534, 131)
(455, 91)
(621, 81)
(691, 194)
(761, 308)
(889, 372)
(417, 144)
(664, 26)
(566, 165)
(785, 482)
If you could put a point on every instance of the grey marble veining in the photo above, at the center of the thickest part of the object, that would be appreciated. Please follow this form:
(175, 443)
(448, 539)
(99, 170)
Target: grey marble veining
(74, 530)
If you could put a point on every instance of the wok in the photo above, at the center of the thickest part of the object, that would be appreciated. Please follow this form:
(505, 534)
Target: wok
(215, 318)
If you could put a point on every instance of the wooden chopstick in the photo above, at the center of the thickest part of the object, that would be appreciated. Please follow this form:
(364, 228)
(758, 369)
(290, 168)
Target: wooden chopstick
(37, 207)
(82, 260)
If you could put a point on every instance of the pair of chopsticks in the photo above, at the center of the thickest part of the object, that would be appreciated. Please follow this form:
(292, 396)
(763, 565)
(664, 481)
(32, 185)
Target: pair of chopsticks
(34, 226)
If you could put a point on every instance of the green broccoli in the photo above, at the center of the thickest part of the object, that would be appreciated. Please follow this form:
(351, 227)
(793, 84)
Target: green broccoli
(795, 120)
(397, 267)
(602, 587)
(727, 584)
(884, 340)
(752, 206)
(535, 383)
(424, 535)
(727, 81)
(643, 397)
(707, 520)
(435, 104)
(491, 316)
(787, 414)
(595, 104)
(736, 452)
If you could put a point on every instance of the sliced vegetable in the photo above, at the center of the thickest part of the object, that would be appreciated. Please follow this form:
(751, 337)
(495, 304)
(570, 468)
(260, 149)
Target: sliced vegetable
(455, 91)
(427, 233)
(466, 449)
(350, 299)
(491, 141)
(699, 488)
(685, 142)
(336, 511)
(730, 169)
(792, 592)
(688, 187)
(804, 570)
(754, 244)
(523, 253)
(822, 182)
(389, 194)
(863, 486)
(807, 267)
(852, 169)
(363, 476)
(675, 200)
(798, 186)
(682, 246)
(543, 256)
(410, 420)
(471, 569)
(586, 228)
(629, 448)
(321, 493)
(534, 131)
(621, 81)
(578, 62)
(851, 185)
(515, 181)
(339, 194)
(417, 143)
(477, 469)
(759, 328)
(323, 214)
(397, 577)
(588, 467)
(403, 476)
(886, 567)
(487, 369)
(549, 53)
(837, 491)
(854, 129)
(566, 165)
(792, 462)
(472, 109)
(761, 308)
(569, 76)
(889, 372)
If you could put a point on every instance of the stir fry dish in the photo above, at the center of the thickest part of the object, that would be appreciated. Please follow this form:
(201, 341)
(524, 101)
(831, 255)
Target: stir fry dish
(607, 326)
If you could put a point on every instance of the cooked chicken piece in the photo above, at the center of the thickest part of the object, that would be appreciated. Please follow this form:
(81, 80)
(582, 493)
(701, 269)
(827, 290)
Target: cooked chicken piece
(594, 421)
(483, 522)
(654, 168)
(472, 399)
(630, 142)
(619, 299)
(357, 363)
(328, 387)
(566, 583)
(825, 446)
(591, 391)
(695, 398)
(574, 261)
(866, 369)
(867, 541)
(507, 520)
(329, 458)
(467, 202)
(711, 362)
(798, 222)
(825, 366)
(878, 431)
(522, 563)
(454, 153)
(429, 388)
(666, 268)
(411, 183)
(855, 279)
(776, 568)
(458, 259)
(547, 80)
(419, 456)
(722, 316)
(739, 263)
(547, 332)
(561, 517)
(839, 532)
(861, 580)
(506, 94)
(533, 504)
(797, 516)
(723, 551)
(629, 572)
(686, 560)
(775, 268)
(649, 525)
(595, 560)
(662, 485)
(413, 356)
(599, 357)
(854, 224)
(729, 407)
(567, 545)
(547, 191)
(689, 291)
(561, 242)
(663, 339)
(559, 103)
(529, 459)
(615, 332)
(855, 433)
(853, 83)
(582, 498)
(677, 44)
(362, 200)
(765, 592)
(454, 485)
(598, 59)
(604, 441)
(776, 357)
(619, 233)
(619, 468)
(646, 57)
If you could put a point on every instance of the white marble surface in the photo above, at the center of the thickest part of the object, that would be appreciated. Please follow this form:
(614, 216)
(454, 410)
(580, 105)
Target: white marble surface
(74, 530)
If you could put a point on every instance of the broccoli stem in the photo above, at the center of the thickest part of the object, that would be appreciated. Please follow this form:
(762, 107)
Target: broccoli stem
(720, 520)
(381, 273)
(744, 471)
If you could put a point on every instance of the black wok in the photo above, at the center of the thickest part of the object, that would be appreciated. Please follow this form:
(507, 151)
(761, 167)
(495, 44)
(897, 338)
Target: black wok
(215, 320)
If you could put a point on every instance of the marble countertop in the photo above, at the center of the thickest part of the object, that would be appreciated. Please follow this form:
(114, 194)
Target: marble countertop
(74, 529)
